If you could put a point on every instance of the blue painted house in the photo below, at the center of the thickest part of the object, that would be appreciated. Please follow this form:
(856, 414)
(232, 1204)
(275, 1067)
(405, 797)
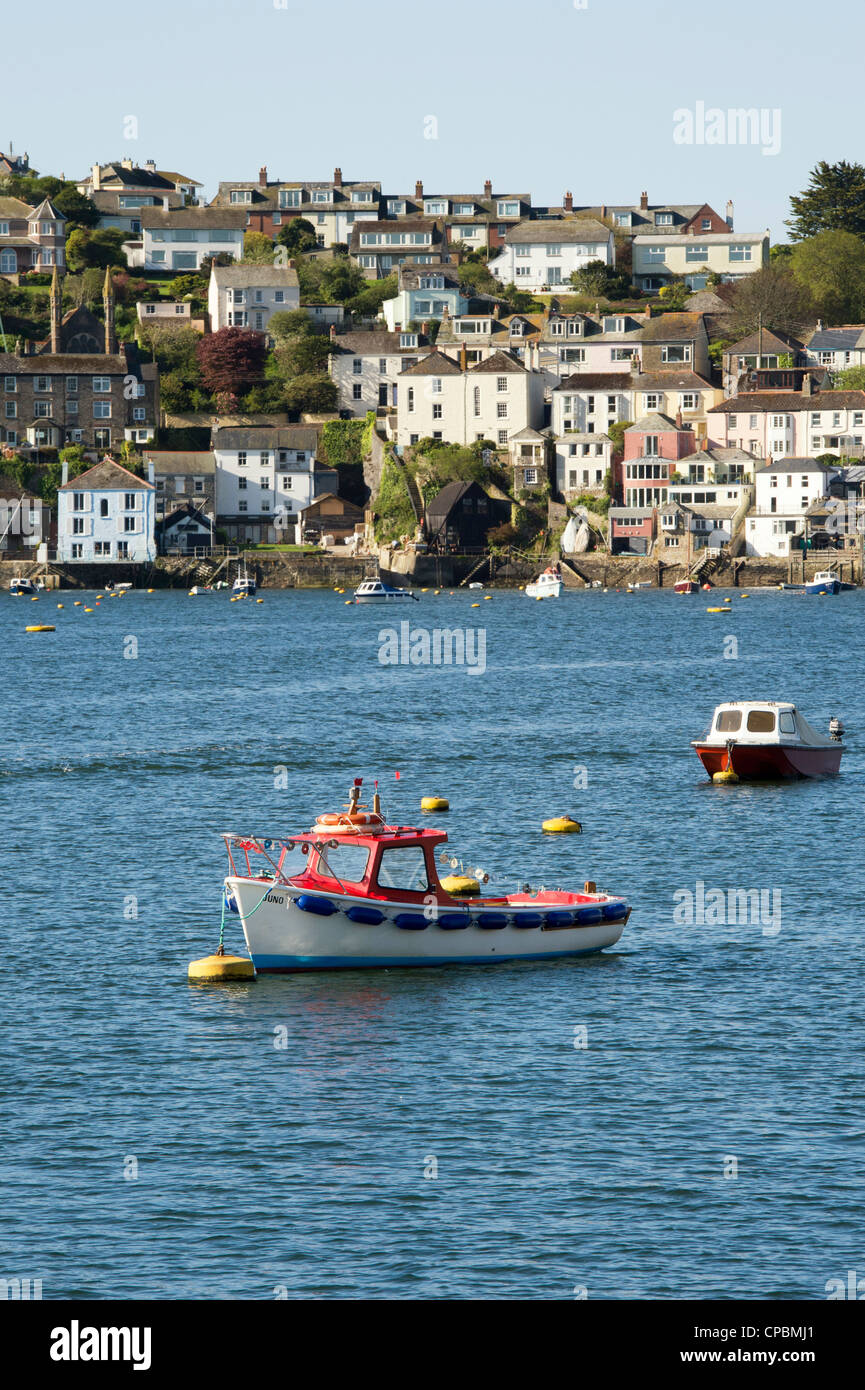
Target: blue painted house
(104, 514)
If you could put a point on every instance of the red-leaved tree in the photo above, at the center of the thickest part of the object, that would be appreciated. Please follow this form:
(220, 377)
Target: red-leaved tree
(231, 360)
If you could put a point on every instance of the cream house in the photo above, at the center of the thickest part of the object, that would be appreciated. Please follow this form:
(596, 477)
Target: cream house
(542, 254)
(661, 256)
(245, 296)
(452, 401)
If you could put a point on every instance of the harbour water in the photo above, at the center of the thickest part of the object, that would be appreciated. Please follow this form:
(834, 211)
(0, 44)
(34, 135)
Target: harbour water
(677, 1118)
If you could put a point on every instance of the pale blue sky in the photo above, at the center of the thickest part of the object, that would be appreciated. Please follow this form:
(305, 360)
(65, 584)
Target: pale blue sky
(539, 96)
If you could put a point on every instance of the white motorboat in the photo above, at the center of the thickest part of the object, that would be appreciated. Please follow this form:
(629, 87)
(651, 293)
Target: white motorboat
(20, 585)
(244, 583)
(547, 585)
(376, 591)
(355, 891)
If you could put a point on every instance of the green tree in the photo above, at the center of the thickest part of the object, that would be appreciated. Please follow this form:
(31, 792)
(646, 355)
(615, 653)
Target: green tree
(367, 303)
(95, 249)
(297, 236)
(78, 210)
(257, 249)
(314, 394)
(850, 379)
(289, 323)
(600, 279)
(831, 268)
(834, 201)
(341, 280)
(773, 296)
(303, 356)
(617, 434)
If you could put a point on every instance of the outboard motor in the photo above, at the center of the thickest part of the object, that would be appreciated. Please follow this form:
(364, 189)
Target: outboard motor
(836, 730)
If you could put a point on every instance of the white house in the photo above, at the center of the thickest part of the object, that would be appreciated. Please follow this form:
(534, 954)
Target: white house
(265, 478)
(459, 404)
(425, 292)
(731, 255)
(539, 255)
(365, 366)
(580, 343)
(792, 424)
(106, 513)
(784, 492)
(836, 348)
(180, 239)
(582, 462)
(245, 296)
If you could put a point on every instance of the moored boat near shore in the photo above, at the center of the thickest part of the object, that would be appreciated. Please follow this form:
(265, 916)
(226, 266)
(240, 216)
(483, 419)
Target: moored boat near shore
(368, 894)
(765, 740)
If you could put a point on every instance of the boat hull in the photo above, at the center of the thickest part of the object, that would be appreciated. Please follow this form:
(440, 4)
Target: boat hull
(544, 590)
(771, 761)
(281, 937)
(686, 586)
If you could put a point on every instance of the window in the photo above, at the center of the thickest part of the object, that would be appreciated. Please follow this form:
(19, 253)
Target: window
(138, 411)
(77, 551)
(42, 383)
(102, 410)
(78, 525)
(241, 195)
(656, 254)
(530, 475)
(503, 436)
(242, 484)
(502, 410)
(289, 197)
(651, 400)
(740, 251)
(102, 548)
(241, 459)
(411, 399)
(242, 506)
(346, 863)
(696, 253)
(690, 400)
(676, 352)
(40, 410)
(357, 366)
(501, 383)
(437, 412)
(650, 446)
(357, 391)
(663, 219)
(553, 250)
(11, 410)
(621, 354)
(761, 721)
(264, 481)
(129, 523)
(622, 219)
(477, 400)
(786, 722)
(10, 383)
(436, 386)
(101, 384)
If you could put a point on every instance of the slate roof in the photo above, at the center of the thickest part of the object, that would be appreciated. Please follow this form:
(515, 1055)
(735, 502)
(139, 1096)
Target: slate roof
(498, 362)
(787, 402)
(836, 339)
(47, 210)
(573, 232)
(248, 275)
(303, 437)
(169, 461)
(653, 421)
(667, 326)
(433, 364)
(106, 474)
(444, 502)
(597, 381)
(798, 465)
(65, 363)
(374, 343)
(772, 342)
(230, 218)
(14, 208)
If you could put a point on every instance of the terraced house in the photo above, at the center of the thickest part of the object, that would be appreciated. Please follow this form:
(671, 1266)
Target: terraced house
(50, 397)
(332, 207)
(544, 254)
(380, 247)
(477, 220)
(493, 399)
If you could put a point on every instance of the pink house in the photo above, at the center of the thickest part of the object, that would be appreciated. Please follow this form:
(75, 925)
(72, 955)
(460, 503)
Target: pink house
(653, 446)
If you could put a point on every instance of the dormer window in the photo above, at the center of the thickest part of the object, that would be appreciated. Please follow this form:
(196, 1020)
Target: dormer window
(289, 197)
(322, 195)
(241, 195)
(622, 219)
(361, 195)
(575, 328)
(408, 340)
(464, 209)
(395, 206)
(435, 207)
(507, 209)
(432, 282)
(517, 328)
(663, 219)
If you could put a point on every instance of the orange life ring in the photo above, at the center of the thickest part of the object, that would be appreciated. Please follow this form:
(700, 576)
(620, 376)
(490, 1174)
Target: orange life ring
(355, 820)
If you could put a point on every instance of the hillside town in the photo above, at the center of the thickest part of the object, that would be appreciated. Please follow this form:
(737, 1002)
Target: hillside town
(334, 366)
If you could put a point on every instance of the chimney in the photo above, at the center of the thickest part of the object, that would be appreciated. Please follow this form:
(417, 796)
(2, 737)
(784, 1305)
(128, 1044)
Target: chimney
(644, 201)
(730, 214)
(96, 178)
(262, 176)
(150, 472)
(679, 419)
(464, 362)
(603, 211)
(150, 165)
(488, 188)
(819, 327)
(166, 204)
(126, 163)
(418, 189)
(807, 384)
(569, 202)
(337, 177)
(64, 475)
(424, 328)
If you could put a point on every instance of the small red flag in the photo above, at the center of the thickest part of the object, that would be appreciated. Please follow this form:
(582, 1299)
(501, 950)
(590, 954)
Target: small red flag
(396, 774)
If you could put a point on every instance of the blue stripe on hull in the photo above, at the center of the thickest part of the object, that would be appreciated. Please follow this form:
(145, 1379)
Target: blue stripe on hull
(286, 963)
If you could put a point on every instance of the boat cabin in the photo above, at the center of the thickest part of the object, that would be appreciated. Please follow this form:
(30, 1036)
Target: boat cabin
(761, 722)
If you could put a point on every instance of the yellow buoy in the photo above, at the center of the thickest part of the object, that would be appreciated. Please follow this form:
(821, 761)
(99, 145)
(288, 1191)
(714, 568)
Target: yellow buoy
(88, 610)
(348, 600)
(150, 591)
(436, 591)
(77, 603)
(40, 627)
(487, 598)
(562, 825)
(725, 609)
(99, 596)
(60, 605)
(34, 598)
(424, 591)
(461, 885)
(726, 775)
(475, 605)
(259, 600)
(539, 598)
(743, 596)
(435, 803)
(222, 967)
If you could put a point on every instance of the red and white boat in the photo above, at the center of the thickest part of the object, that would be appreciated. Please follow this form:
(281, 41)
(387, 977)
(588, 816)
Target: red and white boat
(366, 893)
(686, 586)
(766, 739)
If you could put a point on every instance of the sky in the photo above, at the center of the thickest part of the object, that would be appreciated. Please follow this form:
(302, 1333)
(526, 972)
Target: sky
(604, 98)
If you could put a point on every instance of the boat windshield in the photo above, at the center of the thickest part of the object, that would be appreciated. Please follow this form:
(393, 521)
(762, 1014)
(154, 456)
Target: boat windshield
(729, 721)
(786, 722)
(344, 862)
(761, 721)
(403, 867)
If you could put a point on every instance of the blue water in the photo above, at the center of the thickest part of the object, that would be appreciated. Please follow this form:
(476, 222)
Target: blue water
(300, 1170)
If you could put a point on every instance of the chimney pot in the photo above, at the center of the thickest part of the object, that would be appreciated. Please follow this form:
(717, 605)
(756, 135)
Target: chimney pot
(644, 201)
(569, 201)
(418, 189)
(337, 177)
(262, 176)
(488, 188)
